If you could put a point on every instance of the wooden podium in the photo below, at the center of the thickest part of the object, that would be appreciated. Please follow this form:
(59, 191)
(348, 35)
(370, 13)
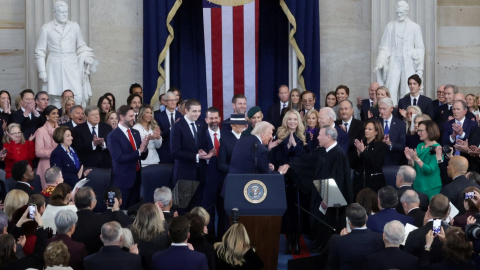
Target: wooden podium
(261, 203)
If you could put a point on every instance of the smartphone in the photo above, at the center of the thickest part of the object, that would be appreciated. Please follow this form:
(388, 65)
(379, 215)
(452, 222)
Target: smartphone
(31, 211)
(437, 223)
(469, 195)
(111, 198)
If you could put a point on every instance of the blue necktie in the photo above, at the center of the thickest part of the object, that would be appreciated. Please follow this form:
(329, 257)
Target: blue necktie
(387, 129)
(457, 153)
(93, 132)
(194, 132)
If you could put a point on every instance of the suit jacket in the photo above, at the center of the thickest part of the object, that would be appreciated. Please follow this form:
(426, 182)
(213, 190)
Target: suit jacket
(474, 162)
(377, 222)
(355, 131)
(364, 109)
(227, 143)
(425, 103)
(163, 120)
(250, 156)
(25, 188)
(88, 230)
(118, 216)
(68, 124)
(342, 138)
(275, 114)
(445, 113)
(397, 136)
(424, 201)
(28, 126)
(392, 258)
(61, 159)
(350, 251)
(82, 142)
(454, 191)
(179, 257)
(436, 109)
(77, 250)
(415, 243)
(184, 150)
(112, 257)
(124, 158)
(468, 126)
(418, 215)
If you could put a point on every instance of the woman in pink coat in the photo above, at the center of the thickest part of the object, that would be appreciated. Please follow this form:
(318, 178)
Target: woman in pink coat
(44, 143)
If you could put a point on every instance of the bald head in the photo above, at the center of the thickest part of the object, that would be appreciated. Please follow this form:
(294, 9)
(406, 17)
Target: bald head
(457, 165)
(372, 90)
(459, 96)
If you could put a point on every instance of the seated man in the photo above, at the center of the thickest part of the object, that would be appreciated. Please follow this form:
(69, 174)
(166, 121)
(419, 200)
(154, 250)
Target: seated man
(113, 212)
(162, 197)
(387, 201)
(404, 181)
(23, 173)
(392, 257)
(349, 250)
(410, 205)
(111, 255)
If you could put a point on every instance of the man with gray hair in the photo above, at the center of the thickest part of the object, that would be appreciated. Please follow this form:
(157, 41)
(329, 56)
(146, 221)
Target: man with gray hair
(111, 255)
(395, 133)
(162, 197)
(53, 177)
(327, 117)
(404, 181)
(411, 207)
(459, 127)
(392, 257)
(165, 121)
(77, 115)
(66, 221)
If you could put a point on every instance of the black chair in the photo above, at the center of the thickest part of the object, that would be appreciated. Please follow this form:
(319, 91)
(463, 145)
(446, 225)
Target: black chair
(154, 176)
(390, 173)
(99, 181)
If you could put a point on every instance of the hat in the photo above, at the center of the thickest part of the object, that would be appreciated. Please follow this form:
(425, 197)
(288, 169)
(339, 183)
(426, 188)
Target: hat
(253, 111)
(236, 119)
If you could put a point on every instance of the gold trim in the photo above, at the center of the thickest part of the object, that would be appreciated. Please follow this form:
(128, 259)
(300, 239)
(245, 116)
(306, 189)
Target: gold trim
(231, 3)
(163, 53)
(300, 56)
(245, 191)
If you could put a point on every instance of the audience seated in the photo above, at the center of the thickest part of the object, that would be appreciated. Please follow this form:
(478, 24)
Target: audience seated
(162, 198)
(198, 240)
(23, 173)
(59, 200)
(411, 207)
(368, 199)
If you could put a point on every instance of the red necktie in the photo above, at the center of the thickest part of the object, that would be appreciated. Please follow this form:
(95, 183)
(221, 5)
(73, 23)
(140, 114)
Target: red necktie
(216, 143)
(31, 187)
(132, 142)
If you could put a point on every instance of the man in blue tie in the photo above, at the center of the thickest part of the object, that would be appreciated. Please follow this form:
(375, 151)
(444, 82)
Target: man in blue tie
(395, 132)
(460, 127)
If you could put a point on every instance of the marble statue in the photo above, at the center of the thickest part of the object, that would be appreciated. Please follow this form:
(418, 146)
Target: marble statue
(69, 61)
(401, 53)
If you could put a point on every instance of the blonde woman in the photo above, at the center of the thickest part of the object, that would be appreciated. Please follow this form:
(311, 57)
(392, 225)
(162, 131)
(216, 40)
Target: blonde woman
(408, 114)
(234, 252)
(67, 104)
(14, 200)
(147, 126)
(17, 148)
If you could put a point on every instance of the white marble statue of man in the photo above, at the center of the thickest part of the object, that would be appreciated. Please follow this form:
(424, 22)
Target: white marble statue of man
(401, 53)
(70, 60)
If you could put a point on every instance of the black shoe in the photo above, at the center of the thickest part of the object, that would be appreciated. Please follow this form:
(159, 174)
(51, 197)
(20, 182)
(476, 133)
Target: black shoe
(288, 248)
(296, 244)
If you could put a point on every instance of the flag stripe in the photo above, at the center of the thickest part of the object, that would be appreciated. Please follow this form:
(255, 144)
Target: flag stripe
(207, 28)
(216, 56)
(238, 51)
(227, 58)
(250, 54)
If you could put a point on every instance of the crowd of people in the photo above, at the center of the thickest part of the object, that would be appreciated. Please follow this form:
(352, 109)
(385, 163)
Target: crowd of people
(432, 145)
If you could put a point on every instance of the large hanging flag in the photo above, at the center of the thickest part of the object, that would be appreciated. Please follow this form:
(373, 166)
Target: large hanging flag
(231, 51)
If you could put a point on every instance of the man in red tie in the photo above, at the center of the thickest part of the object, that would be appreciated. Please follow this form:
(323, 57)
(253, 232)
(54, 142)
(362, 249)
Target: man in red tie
(127, 150)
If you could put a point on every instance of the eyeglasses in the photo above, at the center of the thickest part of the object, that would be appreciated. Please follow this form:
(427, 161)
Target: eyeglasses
(16, 133)
(420, 130)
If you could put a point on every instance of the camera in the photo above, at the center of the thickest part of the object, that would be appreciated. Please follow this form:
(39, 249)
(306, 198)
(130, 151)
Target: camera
(445, 149)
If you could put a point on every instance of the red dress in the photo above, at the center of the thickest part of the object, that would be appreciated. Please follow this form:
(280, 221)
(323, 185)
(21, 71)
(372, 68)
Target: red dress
(17, 152)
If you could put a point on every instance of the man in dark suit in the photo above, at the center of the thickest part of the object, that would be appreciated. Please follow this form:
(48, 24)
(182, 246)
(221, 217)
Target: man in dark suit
(89, 224)
(65, 221)
(446, 114)
(250, 154)
(411, 207)
(113, 212)
(367, 103)
(28, 118)
(165, 121)
(239, 105)
(349, 250)
(178, 255)
(111, 255)
(89, 140)
(127, 150)
(460, 127)
(275, 110)
(326, 117)
(135, 101)
(437, 103)
(387, 201)
(414, 98)
(415, 244)
(404, 181)
(162, 197)
(354, 127)
(456, 169)
(77, 115)
(23, 173)
(395, 133)
(392, 257)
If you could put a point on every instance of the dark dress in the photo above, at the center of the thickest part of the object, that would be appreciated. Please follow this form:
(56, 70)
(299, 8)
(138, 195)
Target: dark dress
(202, 245)
(412, 140)
(368, 166)
(252, 262)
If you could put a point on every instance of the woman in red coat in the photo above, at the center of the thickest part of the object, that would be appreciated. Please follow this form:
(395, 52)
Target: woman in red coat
(17, 148)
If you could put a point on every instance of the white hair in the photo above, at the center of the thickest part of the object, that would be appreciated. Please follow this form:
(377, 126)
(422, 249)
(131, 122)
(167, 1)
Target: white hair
(394, 232)
(387, 101)
(329, 112)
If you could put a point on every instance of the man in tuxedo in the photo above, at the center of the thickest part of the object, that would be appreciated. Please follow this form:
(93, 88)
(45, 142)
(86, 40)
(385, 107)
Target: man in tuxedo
(354, 127)
(411, 207)
(456, 169)
(165, 121)
(111, 255)
(239, 105)
(308, 101)
(395, 133)
(404, 181)
(77, 115)
(460, 127)
(415, 244)
(349, 249)
(415, 98)
(275, 110)
(162, 197)
(28, 118)
(135, 101)
(326, 117)
(88, 226)
(367, 103)
(250, 154)
(89, 140)
(23, 173)
(392, 257)
(178, 255)
(387, 201)
(127, 150)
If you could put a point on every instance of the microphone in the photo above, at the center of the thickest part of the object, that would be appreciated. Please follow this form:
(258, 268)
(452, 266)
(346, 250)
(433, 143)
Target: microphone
(234, 215)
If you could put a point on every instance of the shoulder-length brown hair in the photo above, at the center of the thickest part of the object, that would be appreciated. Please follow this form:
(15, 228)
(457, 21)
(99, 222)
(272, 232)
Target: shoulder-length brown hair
(378, 128)
(431, 128)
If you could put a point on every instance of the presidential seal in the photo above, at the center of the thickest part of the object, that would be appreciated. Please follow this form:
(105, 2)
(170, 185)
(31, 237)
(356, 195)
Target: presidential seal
(255, 191)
